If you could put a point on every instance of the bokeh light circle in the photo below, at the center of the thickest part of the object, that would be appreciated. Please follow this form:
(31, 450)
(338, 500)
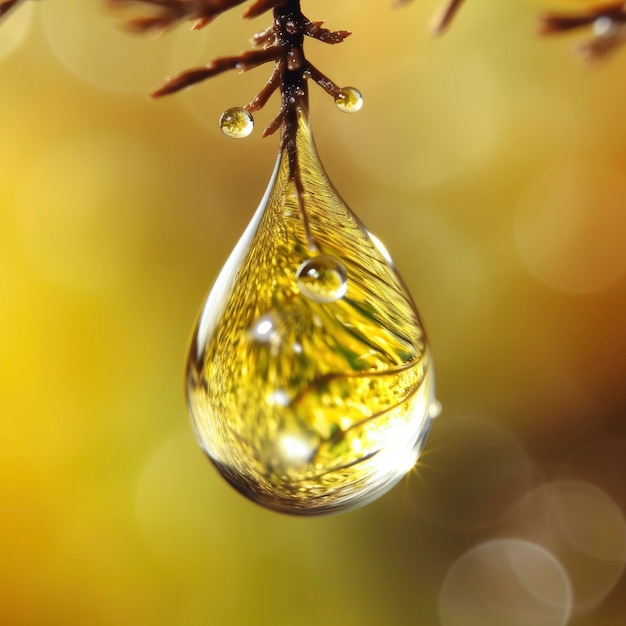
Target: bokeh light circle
(419, 122)
(507, 582)
(93, 46)
(583, 527)
(590, 520)
(602, 463)
(15, 29)
(569, 226)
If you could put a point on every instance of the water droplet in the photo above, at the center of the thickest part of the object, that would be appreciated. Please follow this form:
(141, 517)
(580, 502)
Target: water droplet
(236, 123)
(434, 410)
(303, 408)
(604, 26)
(349, 100)
(322, 279)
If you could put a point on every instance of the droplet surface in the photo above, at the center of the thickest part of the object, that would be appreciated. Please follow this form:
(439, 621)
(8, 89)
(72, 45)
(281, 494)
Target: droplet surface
(309, 379)
(322, 279)
(236, 123)
(349, 100)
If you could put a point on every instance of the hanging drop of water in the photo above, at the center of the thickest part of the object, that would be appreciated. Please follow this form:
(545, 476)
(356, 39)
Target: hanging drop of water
(349, 100)
(309, 379)
(236, 123)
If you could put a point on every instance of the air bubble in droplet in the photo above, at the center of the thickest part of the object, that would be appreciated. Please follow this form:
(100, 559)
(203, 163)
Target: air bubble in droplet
(264, 330)
(236, 123)
(322, 279)
(349, 100)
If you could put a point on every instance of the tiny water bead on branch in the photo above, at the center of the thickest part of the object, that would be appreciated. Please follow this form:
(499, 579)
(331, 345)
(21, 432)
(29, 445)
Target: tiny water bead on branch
(236, 123)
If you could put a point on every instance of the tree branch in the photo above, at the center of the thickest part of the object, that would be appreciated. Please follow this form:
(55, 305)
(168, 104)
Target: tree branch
(606, 22)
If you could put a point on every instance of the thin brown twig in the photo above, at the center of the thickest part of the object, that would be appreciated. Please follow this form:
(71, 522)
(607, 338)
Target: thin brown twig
(260, 100)
(7, 5)
(551, 23)
(244, 61)
(171, 12)
(323, 81)
(446, 16)
(282, 44)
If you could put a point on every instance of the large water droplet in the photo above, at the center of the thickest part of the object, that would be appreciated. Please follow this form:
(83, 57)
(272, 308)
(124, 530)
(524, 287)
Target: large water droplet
(309, 379)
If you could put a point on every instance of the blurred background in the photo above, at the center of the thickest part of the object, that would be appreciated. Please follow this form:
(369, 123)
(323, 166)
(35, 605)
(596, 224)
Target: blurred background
(493, 166)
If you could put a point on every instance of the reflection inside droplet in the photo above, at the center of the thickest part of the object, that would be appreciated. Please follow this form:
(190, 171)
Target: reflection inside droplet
(236, 123)
(295, 449)
(506, 582)
(264, 330)
(279, 397)
(349, 100)
(322, 279)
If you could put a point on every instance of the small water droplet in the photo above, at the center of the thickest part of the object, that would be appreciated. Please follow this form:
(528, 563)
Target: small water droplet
(322, 279)
(434, 410)
(349, 100)
(604, 26)
(236, 123)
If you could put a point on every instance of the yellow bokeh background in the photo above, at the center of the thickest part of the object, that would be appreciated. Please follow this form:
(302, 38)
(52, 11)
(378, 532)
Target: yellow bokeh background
(492, 164)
